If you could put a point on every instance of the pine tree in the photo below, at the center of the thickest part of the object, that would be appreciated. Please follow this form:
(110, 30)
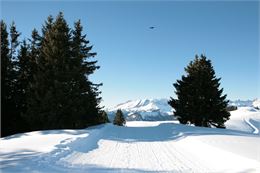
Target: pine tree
(14, 34)
(23, 75)
(14, 43)
(61, 95)
(48, 102)
(119, 118)
(34, 50)
(104, 117)
(6, 73)
(83, 67)
(199, 99)
(9, 74)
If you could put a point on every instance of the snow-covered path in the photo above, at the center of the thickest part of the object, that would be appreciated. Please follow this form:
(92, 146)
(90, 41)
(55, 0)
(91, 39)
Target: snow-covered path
(161, 146)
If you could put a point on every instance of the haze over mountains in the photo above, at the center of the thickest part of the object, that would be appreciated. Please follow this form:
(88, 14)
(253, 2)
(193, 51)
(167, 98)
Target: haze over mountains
(159, 109)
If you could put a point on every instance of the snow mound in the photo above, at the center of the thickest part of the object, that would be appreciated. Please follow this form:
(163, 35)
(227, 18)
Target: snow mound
(144, 109)
(256, 103)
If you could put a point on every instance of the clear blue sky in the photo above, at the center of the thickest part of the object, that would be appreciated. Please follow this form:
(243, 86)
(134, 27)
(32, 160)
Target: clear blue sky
(137, 62)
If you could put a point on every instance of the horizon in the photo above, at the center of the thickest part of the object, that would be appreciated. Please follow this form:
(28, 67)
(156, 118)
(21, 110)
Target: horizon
(137, 62)
(151, 99)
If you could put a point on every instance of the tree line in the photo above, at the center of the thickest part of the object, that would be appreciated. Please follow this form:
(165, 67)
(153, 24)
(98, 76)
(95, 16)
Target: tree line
(45, 83)
(45, 79)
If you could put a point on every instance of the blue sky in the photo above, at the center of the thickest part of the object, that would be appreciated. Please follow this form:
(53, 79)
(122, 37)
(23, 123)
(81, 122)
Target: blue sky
(137, 62)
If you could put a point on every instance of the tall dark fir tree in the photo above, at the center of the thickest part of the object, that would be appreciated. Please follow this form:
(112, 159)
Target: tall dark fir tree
(10, 109)
(61, 95)
(23, 75)
(199, 100)
(6, 82)
(84, 67)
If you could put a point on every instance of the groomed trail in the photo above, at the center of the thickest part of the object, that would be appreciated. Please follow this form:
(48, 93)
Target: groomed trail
(158, 146)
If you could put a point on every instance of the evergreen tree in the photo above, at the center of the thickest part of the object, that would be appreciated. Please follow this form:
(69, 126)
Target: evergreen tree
(83, 67)
(14, 43)
(6, 73)
(199, 99)
(61, 96)
(119, 118)
(14, 34)
(23, 75)
(34, 50)
(104, 117)
(48, 104)
(9, 113)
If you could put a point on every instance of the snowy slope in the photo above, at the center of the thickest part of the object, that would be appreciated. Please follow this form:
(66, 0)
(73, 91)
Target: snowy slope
(157, 146)
(144, 109)
(256, 103)
(245, 119)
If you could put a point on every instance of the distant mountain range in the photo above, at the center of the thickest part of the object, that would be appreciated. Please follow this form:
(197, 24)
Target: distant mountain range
(159, 109)
(144, 109)
(246, 103)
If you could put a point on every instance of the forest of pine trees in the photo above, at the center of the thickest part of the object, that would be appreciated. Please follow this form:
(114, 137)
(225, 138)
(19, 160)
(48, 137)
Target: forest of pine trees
(199, 99)
(45, 79)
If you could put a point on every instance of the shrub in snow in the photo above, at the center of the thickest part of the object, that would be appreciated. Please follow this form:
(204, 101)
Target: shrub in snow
(231, 108)
(119, 118)
(104, 117)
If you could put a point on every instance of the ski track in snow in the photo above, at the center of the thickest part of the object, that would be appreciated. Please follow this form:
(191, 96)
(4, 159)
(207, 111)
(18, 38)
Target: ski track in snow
(255, 129)
(156, 156)
(149, 147)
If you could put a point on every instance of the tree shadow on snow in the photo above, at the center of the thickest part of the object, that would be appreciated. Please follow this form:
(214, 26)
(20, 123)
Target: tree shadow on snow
(162, 132)
(48, 162)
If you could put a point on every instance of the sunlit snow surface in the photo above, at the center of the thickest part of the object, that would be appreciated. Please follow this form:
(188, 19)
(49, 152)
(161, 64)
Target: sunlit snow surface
(144, 109)
(157, 146)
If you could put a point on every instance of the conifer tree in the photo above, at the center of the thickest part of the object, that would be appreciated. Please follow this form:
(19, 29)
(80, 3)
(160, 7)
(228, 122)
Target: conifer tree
(199, 99)
(14, 34)
(14, 43)
(83, 68)
(23, 75)
(61, 95)
(104, 117)
(6, 73)
(119, 118)
(48, 102)
(9, 106)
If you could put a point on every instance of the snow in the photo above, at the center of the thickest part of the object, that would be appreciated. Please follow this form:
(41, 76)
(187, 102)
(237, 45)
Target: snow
(245, 119)
(159, 109)
(145, 105)
(141, 146)
(145, 109)
(246, 103)
(256, 103)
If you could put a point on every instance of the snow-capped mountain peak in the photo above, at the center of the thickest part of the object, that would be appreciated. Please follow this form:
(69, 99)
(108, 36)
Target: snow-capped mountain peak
(145, 109)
